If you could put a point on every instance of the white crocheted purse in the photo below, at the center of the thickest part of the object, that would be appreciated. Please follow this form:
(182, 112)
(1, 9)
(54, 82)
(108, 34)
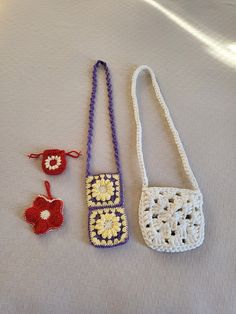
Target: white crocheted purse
(171, 219)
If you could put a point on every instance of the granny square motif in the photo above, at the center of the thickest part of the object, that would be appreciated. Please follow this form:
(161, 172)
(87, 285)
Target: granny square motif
(171, 219)
(108, 227)
(107, 221)
(103, 190)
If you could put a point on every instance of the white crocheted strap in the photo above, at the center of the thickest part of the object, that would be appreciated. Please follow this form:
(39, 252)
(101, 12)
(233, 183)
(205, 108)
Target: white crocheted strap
(169, 120)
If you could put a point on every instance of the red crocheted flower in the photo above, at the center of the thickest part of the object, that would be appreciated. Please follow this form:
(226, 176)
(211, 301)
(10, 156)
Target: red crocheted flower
(45, 214)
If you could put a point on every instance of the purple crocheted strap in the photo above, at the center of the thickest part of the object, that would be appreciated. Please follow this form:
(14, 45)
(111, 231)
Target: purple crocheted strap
(111, 115)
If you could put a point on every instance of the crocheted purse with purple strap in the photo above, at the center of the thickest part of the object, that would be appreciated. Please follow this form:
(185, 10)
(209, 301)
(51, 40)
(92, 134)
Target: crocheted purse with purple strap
(107, 221)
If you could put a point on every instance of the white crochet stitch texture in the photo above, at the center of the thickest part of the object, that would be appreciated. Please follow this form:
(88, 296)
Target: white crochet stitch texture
(171, 219)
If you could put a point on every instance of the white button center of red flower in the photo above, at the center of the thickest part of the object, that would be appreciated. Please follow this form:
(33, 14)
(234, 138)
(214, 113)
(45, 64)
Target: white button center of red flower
(45, 214)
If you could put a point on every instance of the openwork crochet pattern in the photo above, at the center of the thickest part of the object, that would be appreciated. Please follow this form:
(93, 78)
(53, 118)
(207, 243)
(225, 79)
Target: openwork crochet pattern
(171, 219)
(107, 222)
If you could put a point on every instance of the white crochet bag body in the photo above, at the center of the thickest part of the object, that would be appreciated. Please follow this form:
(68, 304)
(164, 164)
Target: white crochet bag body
(171, 219)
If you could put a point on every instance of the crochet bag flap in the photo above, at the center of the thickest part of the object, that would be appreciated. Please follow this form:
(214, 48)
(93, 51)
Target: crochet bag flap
(171, 219)
(107, 221)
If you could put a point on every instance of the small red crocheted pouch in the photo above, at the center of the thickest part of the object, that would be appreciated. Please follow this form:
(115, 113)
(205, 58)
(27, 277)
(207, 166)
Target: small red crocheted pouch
(54, 160)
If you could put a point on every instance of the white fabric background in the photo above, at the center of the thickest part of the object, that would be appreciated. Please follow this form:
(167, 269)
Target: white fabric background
(47, 52)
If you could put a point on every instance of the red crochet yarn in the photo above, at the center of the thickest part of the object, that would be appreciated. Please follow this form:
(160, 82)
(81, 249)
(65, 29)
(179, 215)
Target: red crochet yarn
(54, 160)
(46, 213)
